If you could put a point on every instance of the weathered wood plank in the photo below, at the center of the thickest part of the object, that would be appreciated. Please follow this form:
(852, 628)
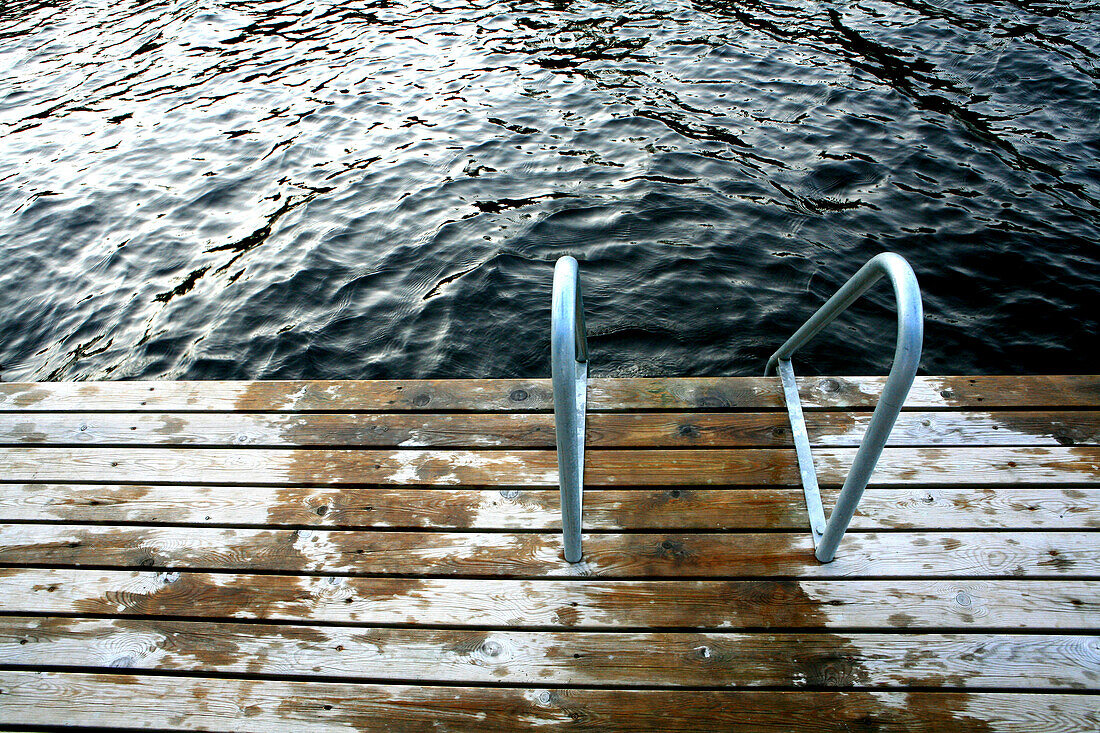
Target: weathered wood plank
(536, 430)
(224, 441)
(533, 395)
(748, 466)
(750, 508)
(123, 700)
(729, 555)
(1035, 662)
(1068, 605)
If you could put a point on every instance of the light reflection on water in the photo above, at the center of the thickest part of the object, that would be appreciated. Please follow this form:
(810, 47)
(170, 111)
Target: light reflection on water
(379, 189)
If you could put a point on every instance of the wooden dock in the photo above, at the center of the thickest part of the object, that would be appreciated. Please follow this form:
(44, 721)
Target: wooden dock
(360, 556)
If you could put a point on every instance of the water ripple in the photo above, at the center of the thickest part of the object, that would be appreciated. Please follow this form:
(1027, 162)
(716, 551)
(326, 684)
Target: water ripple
(281, 189)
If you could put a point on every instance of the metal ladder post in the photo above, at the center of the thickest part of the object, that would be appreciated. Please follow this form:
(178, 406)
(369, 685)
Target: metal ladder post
(569, 371)
(827, 535)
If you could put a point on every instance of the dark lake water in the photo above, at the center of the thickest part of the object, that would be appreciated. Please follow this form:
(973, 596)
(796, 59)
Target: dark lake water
(375, 189)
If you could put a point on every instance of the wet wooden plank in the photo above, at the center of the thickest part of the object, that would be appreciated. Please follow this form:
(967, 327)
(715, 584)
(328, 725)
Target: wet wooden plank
(536, 430)
(972, 605)
(936, 392)
(533, 395)
(748, 466)
(503, 554)
(124, 700)
(1034, 662)
(749, 508)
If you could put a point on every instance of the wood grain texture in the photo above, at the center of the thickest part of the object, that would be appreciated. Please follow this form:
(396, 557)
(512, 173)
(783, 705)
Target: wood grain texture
(536, 430)
(1069, 605)
(333, 541)
(697, 659)
(727, 555)
(533, 395)
(710, 467)
(124, 700)
(749, 508)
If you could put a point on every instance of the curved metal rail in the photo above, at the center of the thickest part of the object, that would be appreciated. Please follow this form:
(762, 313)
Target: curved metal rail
(827, 535)
(569, 369)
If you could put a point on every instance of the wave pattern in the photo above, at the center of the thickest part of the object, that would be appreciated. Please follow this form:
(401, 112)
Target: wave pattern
(369, 189)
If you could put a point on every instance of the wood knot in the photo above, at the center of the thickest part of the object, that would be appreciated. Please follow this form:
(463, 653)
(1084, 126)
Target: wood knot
(422, 399)
(709, 399)
(491, 648)
(518, 395)
(829, 386)
(673, 549)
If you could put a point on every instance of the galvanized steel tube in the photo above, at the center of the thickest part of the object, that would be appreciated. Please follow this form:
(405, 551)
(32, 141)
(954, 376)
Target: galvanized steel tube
(910, 337)
(569, 371)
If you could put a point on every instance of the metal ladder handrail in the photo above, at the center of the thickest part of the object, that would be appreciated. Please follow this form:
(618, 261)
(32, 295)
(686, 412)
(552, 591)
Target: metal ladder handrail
(569, 371)
(910, 336)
